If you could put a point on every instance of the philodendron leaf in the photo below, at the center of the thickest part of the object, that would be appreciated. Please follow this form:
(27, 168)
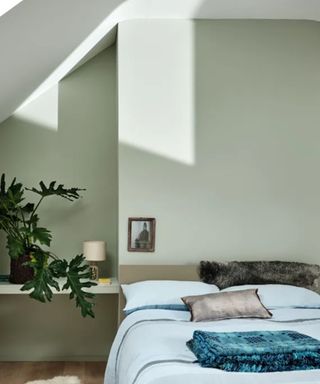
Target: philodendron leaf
(3, 184)
(15, 193)
(28, 208)
(59, 268)
(12, 197)
(43, 278)
(42, 235)
(67, 193)
(33, 221)
(15, 247)
(74, 272)
(77, 270)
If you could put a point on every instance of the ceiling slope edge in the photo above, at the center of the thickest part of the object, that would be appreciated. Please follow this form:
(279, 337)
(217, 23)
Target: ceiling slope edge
(104, 34)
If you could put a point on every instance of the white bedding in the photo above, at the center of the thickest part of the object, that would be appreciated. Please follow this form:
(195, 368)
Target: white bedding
(150, 348)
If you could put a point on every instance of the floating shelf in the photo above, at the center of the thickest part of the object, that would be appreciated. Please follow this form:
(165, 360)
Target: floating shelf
(100, 289)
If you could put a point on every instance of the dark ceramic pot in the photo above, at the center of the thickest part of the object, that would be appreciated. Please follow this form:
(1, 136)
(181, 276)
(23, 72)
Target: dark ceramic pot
(19, 273)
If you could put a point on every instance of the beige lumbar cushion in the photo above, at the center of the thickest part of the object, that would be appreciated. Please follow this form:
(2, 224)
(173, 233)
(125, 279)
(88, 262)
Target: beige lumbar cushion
(58, 380)
(226, 305)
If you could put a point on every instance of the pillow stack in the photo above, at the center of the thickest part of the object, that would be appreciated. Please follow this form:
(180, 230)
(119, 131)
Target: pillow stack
(162, 294)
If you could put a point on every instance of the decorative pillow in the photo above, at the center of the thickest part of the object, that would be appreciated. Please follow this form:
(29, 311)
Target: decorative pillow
(162, 294)
(278, 295)
(260, 272)
(226, 305)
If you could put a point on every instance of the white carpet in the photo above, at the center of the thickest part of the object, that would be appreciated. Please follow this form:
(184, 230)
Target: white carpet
(58, 380)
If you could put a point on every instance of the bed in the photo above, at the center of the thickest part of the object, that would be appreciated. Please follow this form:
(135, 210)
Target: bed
(150, 346)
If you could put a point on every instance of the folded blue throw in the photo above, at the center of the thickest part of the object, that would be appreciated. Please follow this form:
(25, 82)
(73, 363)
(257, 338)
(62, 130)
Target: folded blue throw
(264, 351)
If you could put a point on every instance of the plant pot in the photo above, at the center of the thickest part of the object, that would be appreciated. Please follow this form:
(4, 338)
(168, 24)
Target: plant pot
(19, 273)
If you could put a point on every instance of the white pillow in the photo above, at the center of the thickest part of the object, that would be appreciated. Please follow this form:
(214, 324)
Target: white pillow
(279, 295)
(162, 294)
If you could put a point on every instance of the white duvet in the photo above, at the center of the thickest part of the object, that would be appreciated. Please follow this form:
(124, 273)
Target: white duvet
(150, 348)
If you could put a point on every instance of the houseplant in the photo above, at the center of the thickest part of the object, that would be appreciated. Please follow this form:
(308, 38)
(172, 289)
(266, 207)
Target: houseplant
(32, 262)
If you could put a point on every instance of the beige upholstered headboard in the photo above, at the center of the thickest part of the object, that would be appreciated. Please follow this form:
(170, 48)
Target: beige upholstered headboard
(133, 273)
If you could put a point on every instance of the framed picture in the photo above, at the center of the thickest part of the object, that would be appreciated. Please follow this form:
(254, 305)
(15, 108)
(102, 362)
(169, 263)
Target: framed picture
(141, 234)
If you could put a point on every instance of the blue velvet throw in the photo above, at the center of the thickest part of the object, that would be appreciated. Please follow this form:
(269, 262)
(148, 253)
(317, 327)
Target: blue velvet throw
(257, 351)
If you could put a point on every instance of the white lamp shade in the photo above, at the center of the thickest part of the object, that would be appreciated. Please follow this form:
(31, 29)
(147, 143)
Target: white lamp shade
(94, 250)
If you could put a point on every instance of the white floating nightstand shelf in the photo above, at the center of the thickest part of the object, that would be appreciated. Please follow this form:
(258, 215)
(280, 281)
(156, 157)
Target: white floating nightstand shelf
(99, 289)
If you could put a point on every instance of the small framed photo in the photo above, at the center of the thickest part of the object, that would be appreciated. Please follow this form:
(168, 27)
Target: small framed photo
(141, 234)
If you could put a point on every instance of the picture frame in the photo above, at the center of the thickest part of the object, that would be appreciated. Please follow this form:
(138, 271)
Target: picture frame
(141, 234)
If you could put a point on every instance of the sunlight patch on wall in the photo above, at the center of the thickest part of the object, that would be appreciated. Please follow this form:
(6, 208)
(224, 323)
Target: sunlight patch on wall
(42, 111)
(6, 5)
(156, 88)
(170, 141)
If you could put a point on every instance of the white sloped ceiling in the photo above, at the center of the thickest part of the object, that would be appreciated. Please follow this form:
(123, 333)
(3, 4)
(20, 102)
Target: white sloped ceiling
(43, 40)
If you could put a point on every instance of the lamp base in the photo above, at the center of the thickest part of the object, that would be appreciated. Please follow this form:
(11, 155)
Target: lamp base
(94, 272)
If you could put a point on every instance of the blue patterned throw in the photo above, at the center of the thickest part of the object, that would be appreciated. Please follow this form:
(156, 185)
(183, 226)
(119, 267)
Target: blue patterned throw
(264, 351)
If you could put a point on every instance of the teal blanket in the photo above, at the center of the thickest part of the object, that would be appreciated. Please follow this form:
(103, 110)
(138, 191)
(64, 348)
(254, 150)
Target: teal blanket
(264, 351)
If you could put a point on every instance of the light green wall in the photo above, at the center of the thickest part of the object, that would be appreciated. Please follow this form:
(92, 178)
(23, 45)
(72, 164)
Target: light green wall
(33, 331)
(80, 151)
(228, 166)
(252, 190)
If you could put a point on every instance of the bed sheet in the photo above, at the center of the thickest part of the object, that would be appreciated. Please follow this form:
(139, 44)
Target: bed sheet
(150, 348)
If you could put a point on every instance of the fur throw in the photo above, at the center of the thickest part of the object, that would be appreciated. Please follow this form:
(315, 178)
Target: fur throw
(260, 272)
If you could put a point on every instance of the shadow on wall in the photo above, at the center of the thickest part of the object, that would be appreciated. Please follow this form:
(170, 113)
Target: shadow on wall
(43, 111)
(25, 154)
(81, 152)
(33, 331)
(251, 191)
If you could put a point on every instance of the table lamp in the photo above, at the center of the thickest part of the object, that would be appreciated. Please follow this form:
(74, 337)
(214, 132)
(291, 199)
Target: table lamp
(94, 251)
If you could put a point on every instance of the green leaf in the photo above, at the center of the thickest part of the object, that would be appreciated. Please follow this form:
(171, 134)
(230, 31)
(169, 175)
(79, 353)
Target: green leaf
(67, 193)
(41, 235)
(33, 221)
(28, 208)
(59, 268)
(3, 184)
(15, 247)
(74, 283)
(12, 197)
(43, 278)
(15, 193)
(74, 272)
